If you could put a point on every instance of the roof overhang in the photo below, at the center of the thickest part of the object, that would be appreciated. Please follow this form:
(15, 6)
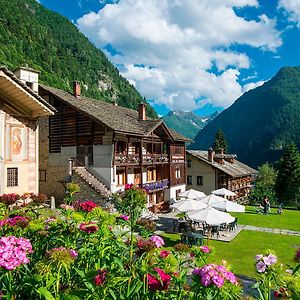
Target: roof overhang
(17, 101)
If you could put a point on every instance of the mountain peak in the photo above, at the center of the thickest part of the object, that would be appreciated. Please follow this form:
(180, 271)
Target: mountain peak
(261, 122)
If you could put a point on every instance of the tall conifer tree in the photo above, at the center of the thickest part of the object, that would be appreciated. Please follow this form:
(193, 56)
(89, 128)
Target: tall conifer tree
(220, 141)
(288, 179)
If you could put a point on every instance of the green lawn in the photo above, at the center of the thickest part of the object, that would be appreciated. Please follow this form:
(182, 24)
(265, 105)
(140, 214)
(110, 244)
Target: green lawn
(241, 251)
(288, 220)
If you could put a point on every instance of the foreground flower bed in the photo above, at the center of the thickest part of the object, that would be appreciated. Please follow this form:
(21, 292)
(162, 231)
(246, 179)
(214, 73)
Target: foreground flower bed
(84, 252)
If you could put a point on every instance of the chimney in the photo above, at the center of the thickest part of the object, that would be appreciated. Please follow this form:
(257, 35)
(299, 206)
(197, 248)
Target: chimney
(142, 111)
(76, 89)
(210, 154)
(28, 76)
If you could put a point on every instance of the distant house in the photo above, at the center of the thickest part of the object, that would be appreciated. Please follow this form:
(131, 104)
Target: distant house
(107, 147)
(20, 108)
(210, 170)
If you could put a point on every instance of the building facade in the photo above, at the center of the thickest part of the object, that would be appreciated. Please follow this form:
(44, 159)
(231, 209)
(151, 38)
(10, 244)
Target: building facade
(109, 146)
(20, 108)
(210, 170)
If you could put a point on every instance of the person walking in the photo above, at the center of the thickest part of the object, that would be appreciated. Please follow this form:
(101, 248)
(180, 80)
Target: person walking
(266, 205)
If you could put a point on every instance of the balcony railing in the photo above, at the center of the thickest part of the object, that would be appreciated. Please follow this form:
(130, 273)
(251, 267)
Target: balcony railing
(155, 158)
(157, 185)
(127, 159)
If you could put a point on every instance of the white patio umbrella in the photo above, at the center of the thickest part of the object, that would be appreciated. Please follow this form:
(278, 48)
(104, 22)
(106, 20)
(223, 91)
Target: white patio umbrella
(222, 203)
(227, 205)
(210, 216)
(223, 192)
(192, 194)
(188, 205)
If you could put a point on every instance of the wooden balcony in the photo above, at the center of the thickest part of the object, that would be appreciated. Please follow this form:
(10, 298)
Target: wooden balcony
(155, 158)
(134, 159)
(127, 159)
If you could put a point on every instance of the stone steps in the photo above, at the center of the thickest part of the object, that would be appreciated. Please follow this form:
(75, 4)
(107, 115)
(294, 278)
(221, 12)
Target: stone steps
(94, 182)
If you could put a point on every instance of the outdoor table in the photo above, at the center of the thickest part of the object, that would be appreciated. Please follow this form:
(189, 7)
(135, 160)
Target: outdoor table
(192, 238)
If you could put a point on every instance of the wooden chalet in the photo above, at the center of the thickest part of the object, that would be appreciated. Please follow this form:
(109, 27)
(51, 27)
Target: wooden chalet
(110, 146)
(210, 170)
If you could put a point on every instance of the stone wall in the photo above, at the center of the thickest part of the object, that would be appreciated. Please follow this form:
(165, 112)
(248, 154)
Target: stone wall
(87, 192)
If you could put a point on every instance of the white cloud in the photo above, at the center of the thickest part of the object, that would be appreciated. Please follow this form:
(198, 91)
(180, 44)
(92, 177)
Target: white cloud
(176, 43)
(252, 85)
(292, 7)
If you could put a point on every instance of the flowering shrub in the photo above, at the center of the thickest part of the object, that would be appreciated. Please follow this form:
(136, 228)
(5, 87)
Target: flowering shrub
(89, 227)
(160, 281)
(13, 252)
(124, 217)
(9, 199)
(87, 205)
(101, 277)
(14, 221)
(157, 240)
(92, 254)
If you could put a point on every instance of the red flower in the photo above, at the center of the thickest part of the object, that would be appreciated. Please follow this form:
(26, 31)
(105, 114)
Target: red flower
(87, 205)
(160, 282)
(100, 277)
(88, 227)
(164, 253)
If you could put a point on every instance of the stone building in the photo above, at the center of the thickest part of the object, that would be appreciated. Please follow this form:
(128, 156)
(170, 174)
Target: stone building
(20, 108)
(106, 147)
(210, 170)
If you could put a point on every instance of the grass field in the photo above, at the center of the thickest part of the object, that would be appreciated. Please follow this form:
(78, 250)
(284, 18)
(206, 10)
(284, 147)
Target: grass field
(290, 219)
(241, 251)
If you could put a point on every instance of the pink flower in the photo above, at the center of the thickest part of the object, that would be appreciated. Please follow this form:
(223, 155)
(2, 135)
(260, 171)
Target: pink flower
(261, 267)
(89, 227)
(73, 253)
(158, 241)
(67, 207)
(164, 253)
(159, 282)
(205, 249)
(214, 275)
(13, 252)
(100, 277)
(124, 217)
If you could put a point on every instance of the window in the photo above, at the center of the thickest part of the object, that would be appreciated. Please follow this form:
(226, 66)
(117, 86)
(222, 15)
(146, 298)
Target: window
(177, 193)
(120, 177)
(151, 174)
(42, 175)
(199, 180)
(12, 177)
(137, 176)
(189, 180)
(178, 173)
(189, 163)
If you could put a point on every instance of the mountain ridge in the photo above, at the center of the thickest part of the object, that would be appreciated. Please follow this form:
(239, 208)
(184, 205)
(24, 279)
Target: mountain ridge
(260, 123)
(187, 123)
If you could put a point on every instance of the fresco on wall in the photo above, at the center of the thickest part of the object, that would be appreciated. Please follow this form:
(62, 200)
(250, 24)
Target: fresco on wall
(16, 143)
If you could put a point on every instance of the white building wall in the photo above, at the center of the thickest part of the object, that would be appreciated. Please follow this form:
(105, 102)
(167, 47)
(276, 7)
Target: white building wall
(2, 150)
(170, 194)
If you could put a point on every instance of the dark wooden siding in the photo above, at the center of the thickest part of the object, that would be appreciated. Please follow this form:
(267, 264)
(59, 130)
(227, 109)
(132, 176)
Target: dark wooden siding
(69, 127)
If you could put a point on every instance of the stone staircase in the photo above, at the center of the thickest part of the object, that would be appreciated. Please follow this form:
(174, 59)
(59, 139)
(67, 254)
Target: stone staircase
(92, 181)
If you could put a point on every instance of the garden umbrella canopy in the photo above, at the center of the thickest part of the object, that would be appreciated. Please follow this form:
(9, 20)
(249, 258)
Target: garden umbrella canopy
(223, 192)
(210, 216)
(188, 205)
(227, 205)
(222, 203)
(192, 194)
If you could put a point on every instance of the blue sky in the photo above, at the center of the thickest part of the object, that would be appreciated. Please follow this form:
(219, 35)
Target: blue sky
(191, 55)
